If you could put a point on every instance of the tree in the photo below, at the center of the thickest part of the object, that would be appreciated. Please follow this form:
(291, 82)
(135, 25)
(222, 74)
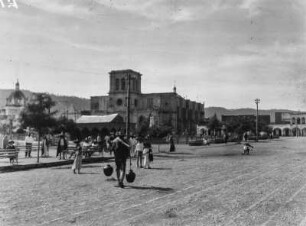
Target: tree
(214, 124)
(69, 126)
(37, 114)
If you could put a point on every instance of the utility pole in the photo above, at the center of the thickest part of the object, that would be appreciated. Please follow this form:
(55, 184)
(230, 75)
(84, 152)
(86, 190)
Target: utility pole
(257, 101)
(128, 107)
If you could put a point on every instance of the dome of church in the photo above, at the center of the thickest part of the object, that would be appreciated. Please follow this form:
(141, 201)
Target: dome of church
(16, 98)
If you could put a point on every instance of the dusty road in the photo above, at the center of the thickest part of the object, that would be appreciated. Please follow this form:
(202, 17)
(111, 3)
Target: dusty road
(213, 185)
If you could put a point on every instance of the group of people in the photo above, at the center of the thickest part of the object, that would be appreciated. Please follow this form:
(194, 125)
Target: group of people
(144, 154)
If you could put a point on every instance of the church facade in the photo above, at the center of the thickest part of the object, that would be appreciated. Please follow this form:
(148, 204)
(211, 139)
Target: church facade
(160, 109)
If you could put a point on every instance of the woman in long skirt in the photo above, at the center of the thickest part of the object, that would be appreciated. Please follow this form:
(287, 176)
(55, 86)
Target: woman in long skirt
(77, 163)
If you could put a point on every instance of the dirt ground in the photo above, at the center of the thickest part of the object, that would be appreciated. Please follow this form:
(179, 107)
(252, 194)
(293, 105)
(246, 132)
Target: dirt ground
(207, 185)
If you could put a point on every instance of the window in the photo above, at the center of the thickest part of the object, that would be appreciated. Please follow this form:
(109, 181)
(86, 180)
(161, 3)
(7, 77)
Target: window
(122, 84)
(298, 121)
(136, 102)
(150, 102)
(95, 106)
(119, 102)
(117, 84)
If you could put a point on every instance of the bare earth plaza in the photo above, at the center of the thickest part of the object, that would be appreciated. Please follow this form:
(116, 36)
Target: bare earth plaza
(159, 112)
(207, 185)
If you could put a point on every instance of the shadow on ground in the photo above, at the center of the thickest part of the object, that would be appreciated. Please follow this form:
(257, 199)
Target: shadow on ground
(161, 189)
(164, 168)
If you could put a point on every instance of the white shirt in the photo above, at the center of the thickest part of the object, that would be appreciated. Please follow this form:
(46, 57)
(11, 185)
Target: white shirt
(139, 146)
(29, 140)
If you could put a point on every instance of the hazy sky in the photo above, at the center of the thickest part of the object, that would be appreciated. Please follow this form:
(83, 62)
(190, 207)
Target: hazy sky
(223, 52)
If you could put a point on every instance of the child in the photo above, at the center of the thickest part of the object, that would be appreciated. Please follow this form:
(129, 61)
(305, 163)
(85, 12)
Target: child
(246, 148)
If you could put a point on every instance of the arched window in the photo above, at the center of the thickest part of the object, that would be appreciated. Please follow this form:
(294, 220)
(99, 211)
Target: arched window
(293, 120)
(117, 84)
(122, 84)
(303, 120)
(298, 121)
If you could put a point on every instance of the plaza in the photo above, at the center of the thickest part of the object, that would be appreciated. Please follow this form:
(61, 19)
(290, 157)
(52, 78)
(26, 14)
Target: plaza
(203, 185)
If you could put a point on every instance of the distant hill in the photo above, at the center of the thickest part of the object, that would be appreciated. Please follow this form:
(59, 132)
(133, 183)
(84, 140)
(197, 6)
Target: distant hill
(63, 103)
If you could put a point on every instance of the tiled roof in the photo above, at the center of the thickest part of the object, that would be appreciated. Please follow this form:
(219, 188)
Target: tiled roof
(96, 118)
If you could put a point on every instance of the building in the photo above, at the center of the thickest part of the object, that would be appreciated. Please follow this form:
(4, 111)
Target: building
(289, 124)
(15, 103)
(102, 124)
(159, 108)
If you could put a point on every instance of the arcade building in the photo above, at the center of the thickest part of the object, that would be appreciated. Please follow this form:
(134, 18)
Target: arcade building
(160, 109)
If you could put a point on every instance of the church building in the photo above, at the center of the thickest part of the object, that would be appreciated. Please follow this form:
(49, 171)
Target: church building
(168, 108)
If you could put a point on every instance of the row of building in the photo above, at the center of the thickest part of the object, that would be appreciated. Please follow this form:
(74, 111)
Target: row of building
(159, 109)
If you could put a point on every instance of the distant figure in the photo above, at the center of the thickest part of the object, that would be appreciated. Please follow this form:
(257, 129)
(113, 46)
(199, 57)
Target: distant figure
(46, 146)
(11, 146)
(100, 144)
(246, 149)
(29, 140)
(132, 143)
(85, 147)
(245, 137)
(5, 141)
(139, 150)
(225, 138)
(146, 151)
(62, 146)
(78, 155)
(172, 146)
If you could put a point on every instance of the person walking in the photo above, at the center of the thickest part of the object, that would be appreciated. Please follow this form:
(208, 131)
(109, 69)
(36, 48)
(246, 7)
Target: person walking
(121, 152)
(133, 143)
(78, 155)
(172, 146)
(62, 146)
(146, 152)
(139, 151)
(29, 142)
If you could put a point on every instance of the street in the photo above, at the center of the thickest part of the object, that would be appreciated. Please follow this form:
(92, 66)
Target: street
(206, 185)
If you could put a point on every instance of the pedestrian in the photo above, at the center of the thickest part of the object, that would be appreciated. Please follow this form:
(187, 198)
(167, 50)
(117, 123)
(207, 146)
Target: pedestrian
(122, 152)
(146, 151)
(133, 143)
(100, 144)
(139, 151)
(46, 145)
(5, 141)
(86, 147)
(29, 142)
(78, 155)
(246, 149)
(245, 136)
(11, 147)
(62, 146)
(225, 138)
(172, 146)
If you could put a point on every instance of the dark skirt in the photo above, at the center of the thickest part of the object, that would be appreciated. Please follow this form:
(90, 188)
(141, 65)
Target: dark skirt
(172, 148)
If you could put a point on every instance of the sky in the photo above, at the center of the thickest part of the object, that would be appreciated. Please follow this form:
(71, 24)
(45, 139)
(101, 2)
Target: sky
(224, 53)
